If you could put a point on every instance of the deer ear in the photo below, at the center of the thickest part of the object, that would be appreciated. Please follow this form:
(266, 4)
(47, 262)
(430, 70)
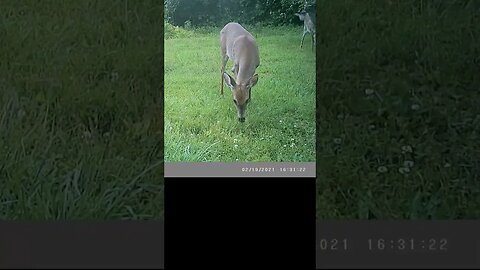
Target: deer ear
(229, 80)
(253, 80)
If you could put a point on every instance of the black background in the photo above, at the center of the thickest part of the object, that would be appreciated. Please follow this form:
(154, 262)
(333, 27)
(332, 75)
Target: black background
(240, 222)
(208, 223)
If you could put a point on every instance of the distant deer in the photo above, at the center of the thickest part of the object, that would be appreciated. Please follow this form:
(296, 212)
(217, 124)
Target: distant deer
(307, 15)
(238, 44)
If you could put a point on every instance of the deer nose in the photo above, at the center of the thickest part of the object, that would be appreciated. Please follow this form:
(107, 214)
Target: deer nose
(242, 119)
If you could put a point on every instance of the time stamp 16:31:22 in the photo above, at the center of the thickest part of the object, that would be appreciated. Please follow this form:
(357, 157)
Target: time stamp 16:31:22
(383, 244)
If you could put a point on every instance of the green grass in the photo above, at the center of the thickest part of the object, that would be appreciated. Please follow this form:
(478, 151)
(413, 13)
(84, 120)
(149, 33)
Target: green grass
(200, 125)
(421, 59)
(80, 110)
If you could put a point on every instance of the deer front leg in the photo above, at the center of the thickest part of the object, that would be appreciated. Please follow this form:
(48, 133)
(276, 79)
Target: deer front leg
(224, 62)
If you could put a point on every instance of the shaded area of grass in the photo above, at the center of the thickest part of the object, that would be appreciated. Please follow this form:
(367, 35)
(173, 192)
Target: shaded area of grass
(200, 125)
(80, 110)
(398, 115)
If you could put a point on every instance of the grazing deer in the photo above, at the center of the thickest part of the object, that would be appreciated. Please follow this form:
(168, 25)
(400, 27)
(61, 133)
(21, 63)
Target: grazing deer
(307, 15)
(238, 44)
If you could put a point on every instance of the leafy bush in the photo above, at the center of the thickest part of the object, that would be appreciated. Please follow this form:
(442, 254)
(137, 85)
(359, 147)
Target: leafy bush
(172, 31)
(219, 12)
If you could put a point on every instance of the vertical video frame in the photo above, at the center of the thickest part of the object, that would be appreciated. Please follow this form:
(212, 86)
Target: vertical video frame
(80, 112)
(240, 88)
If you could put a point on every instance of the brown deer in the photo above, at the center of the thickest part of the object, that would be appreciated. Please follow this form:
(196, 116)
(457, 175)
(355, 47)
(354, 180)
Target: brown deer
(240, 46)
(307, 15)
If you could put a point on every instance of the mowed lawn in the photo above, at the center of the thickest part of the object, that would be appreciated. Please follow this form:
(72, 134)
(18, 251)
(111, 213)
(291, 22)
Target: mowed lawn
(80, 110)
(201, 125)
(399, 115)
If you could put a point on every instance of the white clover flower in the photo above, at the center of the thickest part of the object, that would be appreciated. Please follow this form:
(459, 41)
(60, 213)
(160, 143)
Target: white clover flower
(382, 169)
(408, 163)
(415, 107)
(407, 149)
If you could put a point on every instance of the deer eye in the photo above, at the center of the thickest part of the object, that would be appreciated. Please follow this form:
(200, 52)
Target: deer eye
(234, 101)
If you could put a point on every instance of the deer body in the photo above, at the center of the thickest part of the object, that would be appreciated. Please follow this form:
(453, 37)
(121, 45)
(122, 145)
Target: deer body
(240, 46)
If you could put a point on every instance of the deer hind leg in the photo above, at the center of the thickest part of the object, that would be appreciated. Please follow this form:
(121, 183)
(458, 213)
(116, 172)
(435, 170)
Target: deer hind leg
(314, 42)
(303, 37)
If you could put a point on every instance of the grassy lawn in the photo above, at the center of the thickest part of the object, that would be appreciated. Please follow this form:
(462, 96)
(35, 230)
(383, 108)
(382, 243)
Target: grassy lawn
(399, 112)
(200, 125)
(80, 110)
